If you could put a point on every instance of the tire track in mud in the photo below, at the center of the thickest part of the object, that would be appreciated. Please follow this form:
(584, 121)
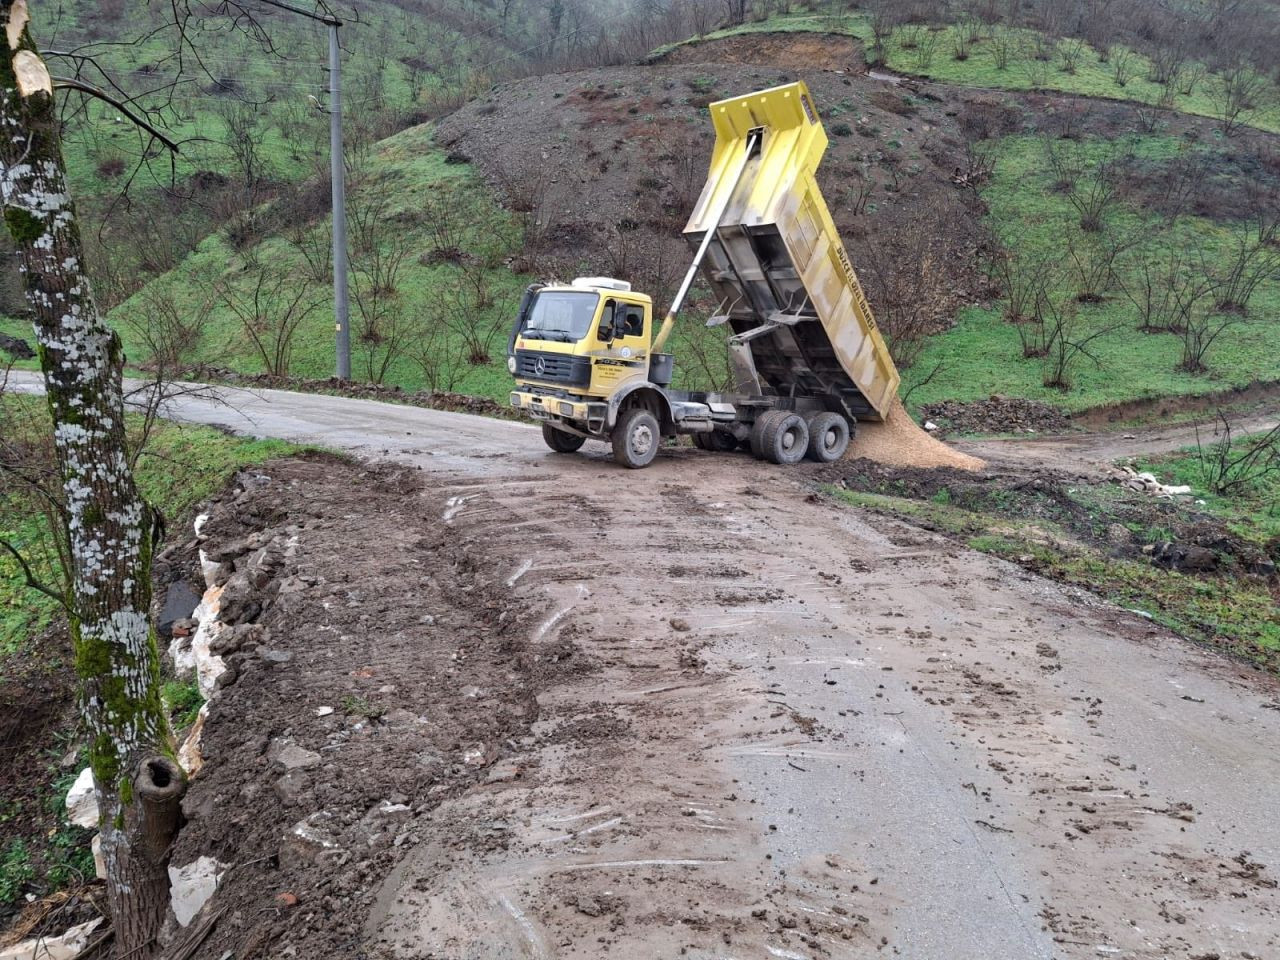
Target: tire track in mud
(624, 836)
(860, 737)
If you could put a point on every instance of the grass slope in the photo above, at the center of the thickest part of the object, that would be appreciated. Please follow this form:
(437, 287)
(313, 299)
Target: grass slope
(981, 355)
(931, 52)
(403, 182)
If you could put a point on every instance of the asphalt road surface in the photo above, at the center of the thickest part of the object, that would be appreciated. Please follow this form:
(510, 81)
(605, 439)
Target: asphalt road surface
(821, 733)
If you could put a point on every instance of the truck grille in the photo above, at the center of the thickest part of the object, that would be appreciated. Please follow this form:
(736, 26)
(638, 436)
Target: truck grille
(553, 367)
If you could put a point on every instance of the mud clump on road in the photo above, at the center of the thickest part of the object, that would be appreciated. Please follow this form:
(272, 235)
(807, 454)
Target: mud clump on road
(377, 667)
(899, 441)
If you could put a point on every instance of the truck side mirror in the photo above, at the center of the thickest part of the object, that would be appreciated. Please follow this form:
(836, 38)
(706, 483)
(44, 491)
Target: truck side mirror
(607, 330)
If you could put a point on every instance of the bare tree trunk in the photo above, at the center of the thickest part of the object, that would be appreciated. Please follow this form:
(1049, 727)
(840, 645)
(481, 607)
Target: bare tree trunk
(109, 528)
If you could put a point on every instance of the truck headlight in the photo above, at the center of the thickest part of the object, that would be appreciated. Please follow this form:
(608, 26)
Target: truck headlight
(511, 364)
(566, 409)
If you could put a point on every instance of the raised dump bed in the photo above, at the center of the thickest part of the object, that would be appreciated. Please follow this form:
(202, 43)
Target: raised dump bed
(801, 322)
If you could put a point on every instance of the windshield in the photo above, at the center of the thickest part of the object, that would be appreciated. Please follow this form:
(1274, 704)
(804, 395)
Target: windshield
(561, 315)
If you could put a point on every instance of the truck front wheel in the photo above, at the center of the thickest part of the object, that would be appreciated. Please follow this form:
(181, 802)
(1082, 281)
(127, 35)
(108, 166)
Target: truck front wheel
(828, 437)
(561, 441)
(635, 438)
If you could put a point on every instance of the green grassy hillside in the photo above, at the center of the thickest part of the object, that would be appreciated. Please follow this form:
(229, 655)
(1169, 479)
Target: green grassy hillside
(982, 354)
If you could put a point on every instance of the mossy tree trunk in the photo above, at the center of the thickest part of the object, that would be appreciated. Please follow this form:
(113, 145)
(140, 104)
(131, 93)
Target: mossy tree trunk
(109, 527)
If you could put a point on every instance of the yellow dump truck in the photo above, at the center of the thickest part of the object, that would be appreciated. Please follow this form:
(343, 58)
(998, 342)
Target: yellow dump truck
(806, 356)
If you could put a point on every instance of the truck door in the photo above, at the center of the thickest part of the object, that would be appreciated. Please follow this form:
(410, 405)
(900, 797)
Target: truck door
(626, 354)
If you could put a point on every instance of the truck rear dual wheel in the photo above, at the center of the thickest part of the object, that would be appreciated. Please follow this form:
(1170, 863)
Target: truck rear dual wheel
(636, 438)
(780, 437)
(561, 441)
(828, 437)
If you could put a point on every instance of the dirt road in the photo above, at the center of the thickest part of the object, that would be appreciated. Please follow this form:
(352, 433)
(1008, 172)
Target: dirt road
(803, 732)
(1084, 452)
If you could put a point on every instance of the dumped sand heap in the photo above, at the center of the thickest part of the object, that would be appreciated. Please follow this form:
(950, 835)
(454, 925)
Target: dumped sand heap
(900, 442)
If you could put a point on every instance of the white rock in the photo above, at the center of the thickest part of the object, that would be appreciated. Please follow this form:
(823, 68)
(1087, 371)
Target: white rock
(99, 863)
(323, 711)
(66, 947)
(190, 887)
(930, 426)
(189, 754)
(208, 668)
(82, 801)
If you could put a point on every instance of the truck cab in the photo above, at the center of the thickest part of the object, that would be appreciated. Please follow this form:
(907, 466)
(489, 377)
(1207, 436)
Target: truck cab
(576, 351)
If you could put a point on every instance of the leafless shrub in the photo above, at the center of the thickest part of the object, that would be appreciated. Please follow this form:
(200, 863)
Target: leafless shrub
(1251, 261)
(1202, 329)
(474, 318)
(1230, 468)
(1091, 262)
(270, 313)
(907, 282)
(1069, 340)
(169, 330)
(1004, 47)
(1071, 51)
(1034, 69)
(314, 244)
(1022, 277)
(927, 49)
(438, 355)
(1123, 65)
(1092, 189)
(1237, 97)
(446, 229)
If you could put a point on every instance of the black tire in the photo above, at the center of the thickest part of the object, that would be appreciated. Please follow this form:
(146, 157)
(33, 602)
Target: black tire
(721, 442)
(717, 441)
(828, 437)
(561, 441)
(785, 439)
(755, 440)
(636, 438)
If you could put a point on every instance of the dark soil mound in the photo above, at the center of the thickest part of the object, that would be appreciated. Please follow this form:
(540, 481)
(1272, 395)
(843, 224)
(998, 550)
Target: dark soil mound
(376, 668)
(998, 415)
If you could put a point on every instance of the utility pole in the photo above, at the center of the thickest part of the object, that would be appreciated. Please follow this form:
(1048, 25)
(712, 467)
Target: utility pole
(341, 306)
(341, 302)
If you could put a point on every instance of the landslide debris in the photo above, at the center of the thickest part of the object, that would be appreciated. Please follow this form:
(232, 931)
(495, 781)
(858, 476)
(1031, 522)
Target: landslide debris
(376, 667)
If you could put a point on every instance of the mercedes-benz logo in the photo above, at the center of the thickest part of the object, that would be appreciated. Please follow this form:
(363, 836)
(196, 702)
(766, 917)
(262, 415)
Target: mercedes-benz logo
(540, 367)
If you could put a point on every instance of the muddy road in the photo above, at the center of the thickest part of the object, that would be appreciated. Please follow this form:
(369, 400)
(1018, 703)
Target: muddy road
(808, 732)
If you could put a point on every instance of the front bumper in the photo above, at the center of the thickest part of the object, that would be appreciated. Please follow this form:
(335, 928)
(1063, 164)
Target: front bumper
(581, 416)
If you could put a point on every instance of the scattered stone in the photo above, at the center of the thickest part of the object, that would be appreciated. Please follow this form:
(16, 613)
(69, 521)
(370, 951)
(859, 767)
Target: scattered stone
(82, 801)
(504, 772)
(324, 711)
(291, 756)
(475, 756)
(191, 887)
(68, 946)
(180, 599)
(292, 787)
(589, 906)
(307, 841)
(274, 656)
(680, 625)
(286, 899)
